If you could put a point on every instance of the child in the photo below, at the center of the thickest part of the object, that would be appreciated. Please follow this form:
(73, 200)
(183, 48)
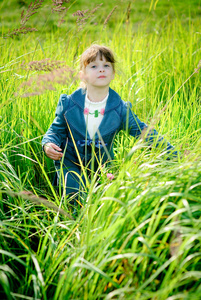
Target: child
(87, 121)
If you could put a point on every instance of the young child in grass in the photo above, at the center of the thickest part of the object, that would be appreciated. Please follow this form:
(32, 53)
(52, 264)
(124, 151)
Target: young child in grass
(87, 121)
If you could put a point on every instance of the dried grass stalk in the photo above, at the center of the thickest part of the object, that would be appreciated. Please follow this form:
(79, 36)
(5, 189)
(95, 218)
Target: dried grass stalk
(59, 8)
(84, 15)
(44, 82)
(25, 16)
(109, 16)
(58, 5)
(40, 201)
(43, 65)
(32, 9)
(21, 30)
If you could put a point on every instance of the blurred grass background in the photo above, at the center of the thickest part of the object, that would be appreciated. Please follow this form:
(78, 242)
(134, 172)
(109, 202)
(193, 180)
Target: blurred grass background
(154, 13)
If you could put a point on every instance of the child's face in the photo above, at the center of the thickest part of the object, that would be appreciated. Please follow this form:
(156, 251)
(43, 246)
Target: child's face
(98, 73)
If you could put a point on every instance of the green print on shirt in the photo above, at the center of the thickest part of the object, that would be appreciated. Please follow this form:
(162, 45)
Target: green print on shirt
(95, 113)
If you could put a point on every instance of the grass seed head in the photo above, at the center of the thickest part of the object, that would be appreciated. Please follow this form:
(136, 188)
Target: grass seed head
(198, 67)
(43, 65)
(109, 16)
(21, 30)
(32, 9)
(44, 82)
(84, 15)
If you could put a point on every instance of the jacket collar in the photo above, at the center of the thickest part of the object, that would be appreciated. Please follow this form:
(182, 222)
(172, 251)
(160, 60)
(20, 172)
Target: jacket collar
(78, 97)
(110, 120)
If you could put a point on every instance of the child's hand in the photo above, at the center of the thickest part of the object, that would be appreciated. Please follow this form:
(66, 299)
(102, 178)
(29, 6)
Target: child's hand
(53, 151)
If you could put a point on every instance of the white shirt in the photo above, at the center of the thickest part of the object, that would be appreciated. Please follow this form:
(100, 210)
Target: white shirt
(93, 114)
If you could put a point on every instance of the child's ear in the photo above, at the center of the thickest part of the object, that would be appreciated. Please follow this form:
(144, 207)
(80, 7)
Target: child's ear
(81, 75)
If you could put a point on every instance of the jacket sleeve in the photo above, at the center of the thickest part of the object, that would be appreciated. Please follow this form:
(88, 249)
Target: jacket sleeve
(135, 127)
(130, 121)
(58, 131)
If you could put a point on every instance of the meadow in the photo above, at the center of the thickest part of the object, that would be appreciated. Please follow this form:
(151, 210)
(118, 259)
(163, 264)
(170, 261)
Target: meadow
(137, 236)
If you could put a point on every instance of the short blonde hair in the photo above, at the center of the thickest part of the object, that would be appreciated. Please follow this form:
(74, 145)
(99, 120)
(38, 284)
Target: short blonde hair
(95, 50)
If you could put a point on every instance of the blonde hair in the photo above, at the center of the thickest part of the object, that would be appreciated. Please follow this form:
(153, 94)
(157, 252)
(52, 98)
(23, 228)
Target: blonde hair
(93, 52)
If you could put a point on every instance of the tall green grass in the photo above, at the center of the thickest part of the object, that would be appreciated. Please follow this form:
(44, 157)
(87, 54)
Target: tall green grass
(137, 236)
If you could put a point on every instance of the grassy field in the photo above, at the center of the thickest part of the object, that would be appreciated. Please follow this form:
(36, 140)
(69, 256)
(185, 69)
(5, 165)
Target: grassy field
(137, 236)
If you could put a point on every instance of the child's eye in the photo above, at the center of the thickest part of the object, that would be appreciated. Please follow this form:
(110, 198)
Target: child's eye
(93, 67)
(107, 66)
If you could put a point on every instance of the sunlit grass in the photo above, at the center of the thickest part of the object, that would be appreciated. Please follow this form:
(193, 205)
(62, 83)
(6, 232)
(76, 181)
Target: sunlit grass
(136, 236)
